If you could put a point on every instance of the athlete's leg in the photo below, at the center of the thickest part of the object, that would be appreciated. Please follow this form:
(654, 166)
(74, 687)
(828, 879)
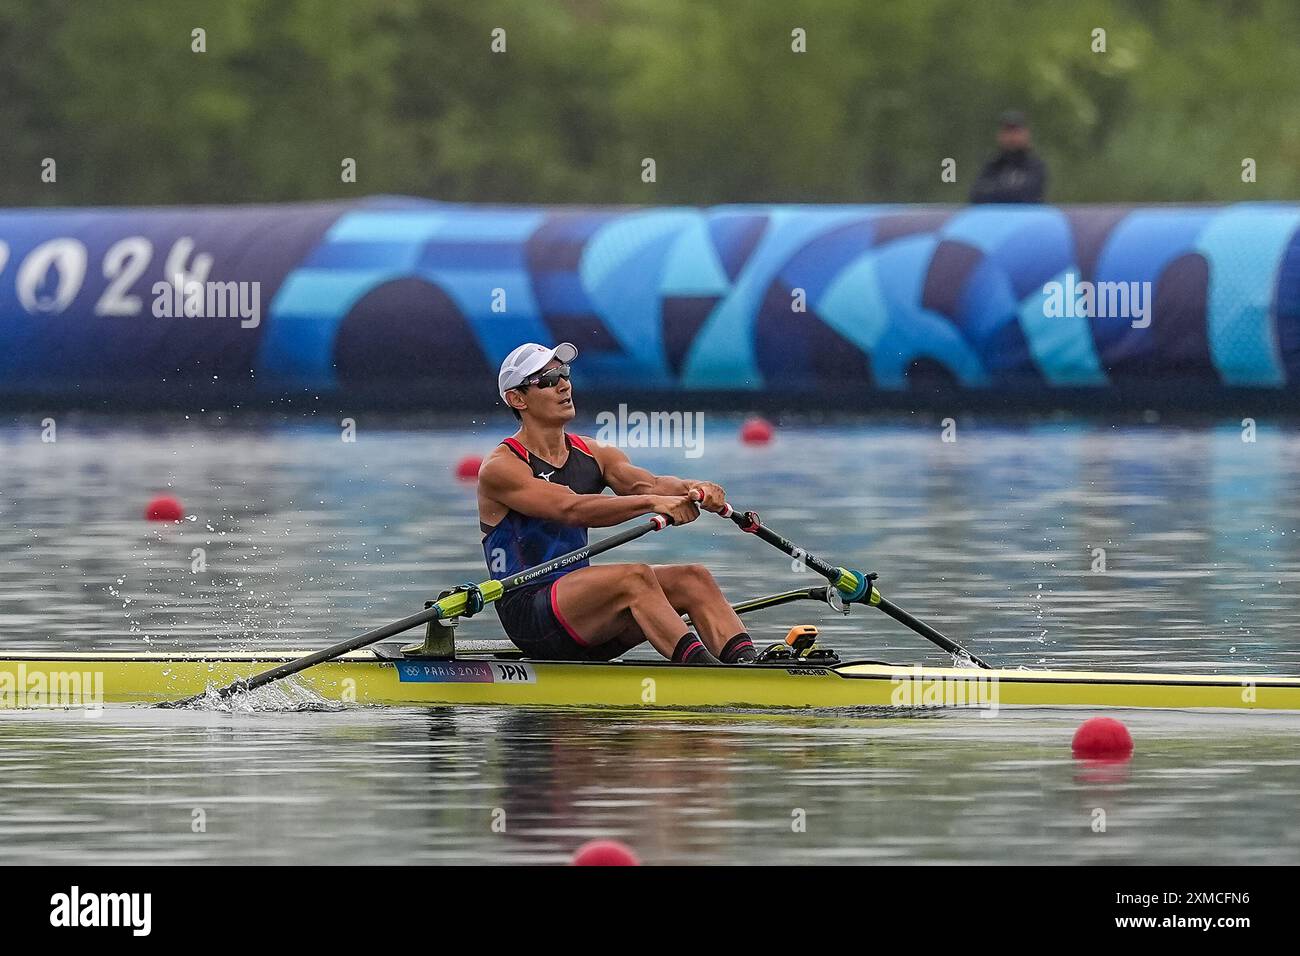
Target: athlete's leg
(616, 602)
(691, 589)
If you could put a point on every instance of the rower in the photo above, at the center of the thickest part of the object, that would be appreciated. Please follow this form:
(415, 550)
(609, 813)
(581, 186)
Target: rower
(538, 493)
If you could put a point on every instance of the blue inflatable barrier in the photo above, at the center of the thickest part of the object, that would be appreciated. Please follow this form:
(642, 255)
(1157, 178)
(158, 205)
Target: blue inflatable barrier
(401, 301)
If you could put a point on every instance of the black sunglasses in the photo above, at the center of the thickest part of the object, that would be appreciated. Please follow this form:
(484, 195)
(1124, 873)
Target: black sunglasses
(548, 379)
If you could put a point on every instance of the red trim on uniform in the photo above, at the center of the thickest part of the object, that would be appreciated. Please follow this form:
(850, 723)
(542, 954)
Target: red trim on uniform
(555, 609)
(515, 446)
(579, 444)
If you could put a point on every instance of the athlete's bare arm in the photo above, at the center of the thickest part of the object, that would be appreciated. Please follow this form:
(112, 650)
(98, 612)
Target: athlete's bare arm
(629, 479)
(505, 482)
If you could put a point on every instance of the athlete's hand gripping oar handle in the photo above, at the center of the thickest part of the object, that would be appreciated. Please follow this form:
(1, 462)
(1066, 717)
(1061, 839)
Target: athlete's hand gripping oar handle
(453, 605)
(856, 586)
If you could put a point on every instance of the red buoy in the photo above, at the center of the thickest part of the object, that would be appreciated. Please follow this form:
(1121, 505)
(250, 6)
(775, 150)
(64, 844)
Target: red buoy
(757, 431)
(1102, 738)
(467, 468)
(164, 508)
(605, 853)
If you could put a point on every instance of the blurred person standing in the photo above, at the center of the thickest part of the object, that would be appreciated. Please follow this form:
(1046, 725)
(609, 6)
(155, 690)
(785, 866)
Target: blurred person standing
(1016, 173)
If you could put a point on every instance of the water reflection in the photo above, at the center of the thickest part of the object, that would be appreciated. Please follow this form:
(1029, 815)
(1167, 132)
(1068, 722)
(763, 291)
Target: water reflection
(530, 786)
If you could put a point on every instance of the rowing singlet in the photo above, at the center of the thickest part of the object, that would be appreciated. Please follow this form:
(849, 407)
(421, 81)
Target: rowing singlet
(519, 542)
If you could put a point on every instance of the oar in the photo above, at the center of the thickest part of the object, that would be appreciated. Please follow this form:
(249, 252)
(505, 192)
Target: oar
(453, 605)
(856, 586)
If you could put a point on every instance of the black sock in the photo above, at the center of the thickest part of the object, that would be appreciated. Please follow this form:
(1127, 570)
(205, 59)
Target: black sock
(691, 650)
(739, 650)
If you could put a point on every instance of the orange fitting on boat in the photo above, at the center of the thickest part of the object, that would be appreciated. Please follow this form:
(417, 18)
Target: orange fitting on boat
(801, 630)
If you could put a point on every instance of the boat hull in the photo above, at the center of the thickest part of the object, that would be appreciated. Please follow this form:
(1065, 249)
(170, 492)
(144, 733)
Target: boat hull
(75, 680)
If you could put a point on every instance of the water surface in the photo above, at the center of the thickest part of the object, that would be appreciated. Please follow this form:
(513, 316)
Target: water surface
(1038, 544)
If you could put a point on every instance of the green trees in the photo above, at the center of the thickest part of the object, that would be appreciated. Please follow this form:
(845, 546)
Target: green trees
(588, 89)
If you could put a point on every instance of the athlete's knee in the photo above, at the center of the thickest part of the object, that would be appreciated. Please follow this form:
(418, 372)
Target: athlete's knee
(699, 580)
(639, 579)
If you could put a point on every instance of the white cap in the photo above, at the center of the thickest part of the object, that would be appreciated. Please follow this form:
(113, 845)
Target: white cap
(529, 359)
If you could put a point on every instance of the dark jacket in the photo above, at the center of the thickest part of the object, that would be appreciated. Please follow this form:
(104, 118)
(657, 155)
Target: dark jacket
(1018, 176)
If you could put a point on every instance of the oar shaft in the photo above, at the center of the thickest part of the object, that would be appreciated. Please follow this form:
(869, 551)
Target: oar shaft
(450, 606)
(825, 569)
(655, 523)
(289, 668)
(847, 582)
(925, 630)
